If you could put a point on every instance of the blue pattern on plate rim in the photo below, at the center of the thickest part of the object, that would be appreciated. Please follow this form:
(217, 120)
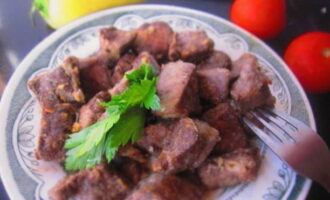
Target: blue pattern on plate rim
(21, 112)
(279, 187)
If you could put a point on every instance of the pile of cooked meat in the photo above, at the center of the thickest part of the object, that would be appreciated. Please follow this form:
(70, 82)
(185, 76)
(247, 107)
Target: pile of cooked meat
(194, 144)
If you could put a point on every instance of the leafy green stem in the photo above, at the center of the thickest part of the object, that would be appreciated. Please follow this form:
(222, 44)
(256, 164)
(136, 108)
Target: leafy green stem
(123, 124)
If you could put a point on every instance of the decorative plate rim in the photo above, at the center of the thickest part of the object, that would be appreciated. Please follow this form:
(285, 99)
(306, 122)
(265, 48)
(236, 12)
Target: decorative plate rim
(5, 171)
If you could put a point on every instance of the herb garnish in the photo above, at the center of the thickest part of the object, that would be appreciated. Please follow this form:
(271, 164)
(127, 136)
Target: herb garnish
(124, 123)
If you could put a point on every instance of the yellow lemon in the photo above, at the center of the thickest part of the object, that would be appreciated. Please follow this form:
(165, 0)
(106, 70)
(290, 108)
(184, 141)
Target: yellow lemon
(59, 12)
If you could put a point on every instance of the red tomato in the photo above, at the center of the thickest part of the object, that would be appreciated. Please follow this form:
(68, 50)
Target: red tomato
(308, 56)
(264, 18)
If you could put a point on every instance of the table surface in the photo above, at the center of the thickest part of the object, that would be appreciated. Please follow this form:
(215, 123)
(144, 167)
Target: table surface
(18, 35)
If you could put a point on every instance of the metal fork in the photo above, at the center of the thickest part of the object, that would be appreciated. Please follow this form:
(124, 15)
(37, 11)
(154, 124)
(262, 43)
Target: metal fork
(294, 142)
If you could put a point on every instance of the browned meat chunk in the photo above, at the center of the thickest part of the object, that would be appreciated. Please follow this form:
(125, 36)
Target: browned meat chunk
(123, 65)
(154, 38)
(120, 87)
(61, 84)
(182, 144)
(59, 95)
(207, 138)
(245, 59)
(95, 75)
(153, 137)
(217, 59)
(92, 111)
(214, 84)
(177, 88)
(192, 46)
(132, 153)
(224, 118)
(143, 57)
(56, 124)
(97, 183)
(133, 170)
(114, 42)
(251, 90)
(230, 169)
(188, 144)
(166, 187)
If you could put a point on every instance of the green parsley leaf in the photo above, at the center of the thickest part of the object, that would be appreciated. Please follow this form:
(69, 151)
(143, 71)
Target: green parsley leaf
(123, 124)
(145, 72)
(77, 138)
(88, 160)
(128, 129)
(152, 102)
(97, 134)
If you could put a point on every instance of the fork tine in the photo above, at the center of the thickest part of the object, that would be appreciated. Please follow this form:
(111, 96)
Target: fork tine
(309, 156)
(281, 123)
(260, 133)
(276, 131)
(289, 119)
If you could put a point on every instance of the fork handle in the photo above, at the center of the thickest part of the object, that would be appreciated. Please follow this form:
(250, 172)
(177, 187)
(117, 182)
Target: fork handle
(322, 161)
(313, 161)
(323, 177)
(325, 181)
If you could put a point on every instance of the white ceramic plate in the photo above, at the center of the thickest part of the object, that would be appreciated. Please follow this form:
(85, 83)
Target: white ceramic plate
(27, 178)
